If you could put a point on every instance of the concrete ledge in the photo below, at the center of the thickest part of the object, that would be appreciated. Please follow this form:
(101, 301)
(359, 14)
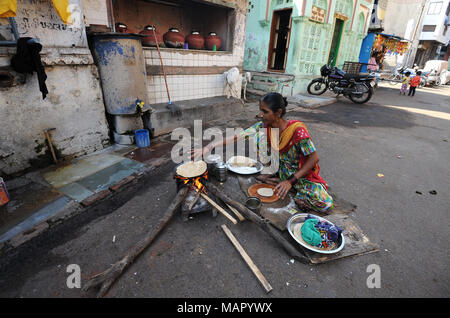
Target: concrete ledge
(309, 101)
(206, 109)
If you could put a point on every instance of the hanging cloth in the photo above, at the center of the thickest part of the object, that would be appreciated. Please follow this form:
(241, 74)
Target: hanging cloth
(62, 8)
(27, 60)
(8, 8)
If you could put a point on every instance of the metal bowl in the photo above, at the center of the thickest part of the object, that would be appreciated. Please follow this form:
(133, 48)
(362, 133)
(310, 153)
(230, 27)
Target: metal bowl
(299, 218)
(253, 203)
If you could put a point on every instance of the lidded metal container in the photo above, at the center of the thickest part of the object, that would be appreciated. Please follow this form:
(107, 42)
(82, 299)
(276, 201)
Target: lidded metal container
(221, 172)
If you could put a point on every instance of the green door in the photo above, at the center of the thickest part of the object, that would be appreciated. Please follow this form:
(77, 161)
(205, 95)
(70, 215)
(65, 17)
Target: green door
(335, 42)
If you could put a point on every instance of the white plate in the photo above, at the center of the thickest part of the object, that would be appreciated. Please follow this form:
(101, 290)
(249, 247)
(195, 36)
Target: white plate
(244, 170)
(300, 218)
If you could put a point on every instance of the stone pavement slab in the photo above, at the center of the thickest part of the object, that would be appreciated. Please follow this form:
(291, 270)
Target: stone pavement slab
(308, 101)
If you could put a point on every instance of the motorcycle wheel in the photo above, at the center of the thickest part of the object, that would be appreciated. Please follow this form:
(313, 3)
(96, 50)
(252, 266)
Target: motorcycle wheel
(365, 97)
(422, 83)
(317, 87)
(394, 79)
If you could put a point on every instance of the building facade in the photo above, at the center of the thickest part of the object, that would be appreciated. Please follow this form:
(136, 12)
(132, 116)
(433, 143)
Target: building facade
(435, 32)
(75, 105)
(297, 37)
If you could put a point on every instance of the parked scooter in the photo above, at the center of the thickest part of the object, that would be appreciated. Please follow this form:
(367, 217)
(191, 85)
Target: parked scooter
(356, 87)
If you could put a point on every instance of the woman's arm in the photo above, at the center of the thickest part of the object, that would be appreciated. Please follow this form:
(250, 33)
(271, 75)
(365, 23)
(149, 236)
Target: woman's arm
(309, 164)
(283, 187)
(197, 153)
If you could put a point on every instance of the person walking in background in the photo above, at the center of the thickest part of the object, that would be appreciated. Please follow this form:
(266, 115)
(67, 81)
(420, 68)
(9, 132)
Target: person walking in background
(374, 67)
(415, 81)
(405, 81)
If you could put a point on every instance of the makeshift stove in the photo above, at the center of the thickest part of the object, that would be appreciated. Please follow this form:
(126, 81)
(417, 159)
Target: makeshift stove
(194, 202)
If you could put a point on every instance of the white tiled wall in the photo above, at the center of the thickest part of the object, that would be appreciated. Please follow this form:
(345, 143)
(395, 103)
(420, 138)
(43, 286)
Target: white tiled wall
(184, 87)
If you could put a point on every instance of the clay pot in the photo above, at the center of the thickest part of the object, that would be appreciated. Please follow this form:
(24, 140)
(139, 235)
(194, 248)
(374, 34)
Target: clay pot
(173, 38)
(195, 40)
(121, 27)
(150, 39)
(213, 39)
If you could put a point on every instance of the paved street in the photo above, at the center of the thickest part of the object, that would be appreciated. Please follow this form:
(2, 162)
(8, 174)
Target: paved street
(405, 139)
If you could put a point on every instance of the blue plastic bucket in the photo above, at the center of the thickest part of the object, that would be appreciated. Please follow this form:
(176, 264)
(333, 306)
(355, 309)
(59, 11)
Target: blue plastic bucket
(142, 138)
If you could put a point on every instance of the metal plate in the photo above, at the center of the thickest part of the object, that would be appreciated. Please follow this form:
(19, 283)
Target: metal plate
(244, 170)
(300, 218)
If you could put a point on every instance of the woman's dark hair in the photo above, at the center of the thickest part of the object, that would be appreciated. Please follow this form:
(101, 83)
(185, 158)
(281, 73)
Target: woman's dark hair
(275, 101)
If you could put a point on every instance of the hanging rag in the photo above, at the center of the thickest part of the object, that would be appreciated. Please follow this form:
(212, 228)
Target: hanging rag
(8, 8)
(27, 60)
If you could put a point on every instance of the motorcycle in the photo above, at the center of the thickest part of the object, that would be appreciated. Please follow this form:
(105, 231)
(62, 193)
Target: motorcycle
(401, 71)
(356, 87)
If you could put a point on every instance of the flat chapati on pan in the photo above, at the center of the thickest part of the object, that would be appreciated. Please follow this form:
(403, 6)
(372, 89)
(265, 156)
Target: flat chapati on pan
(265, 192)
(192, 169)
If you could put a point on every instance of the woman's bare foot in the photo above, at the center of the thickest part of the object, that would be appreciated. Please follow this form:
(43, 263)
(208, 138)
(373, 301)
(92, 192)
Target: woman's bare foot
(302, 205)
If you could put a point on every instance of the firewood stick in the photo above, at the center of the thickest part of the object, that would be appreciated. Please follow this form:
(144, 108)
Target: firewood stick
(247, 259)
(240, 216)
(261, 222)
(197, 196)
(219, 208)
(107, 278)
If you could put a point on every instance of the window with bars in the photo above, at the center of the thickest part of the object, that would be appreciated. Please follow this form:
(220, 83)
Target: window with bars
(314, 51)
(344, 7)
(320, 4)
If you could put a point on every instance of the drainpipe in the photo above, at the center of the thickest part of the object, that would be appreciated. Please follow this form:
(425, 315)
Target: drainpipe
(109, 8)
(267, 10)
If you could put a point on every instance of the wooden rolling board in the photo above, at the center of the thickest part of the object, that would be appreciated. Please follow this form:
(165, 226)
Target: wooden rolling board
(253, 192)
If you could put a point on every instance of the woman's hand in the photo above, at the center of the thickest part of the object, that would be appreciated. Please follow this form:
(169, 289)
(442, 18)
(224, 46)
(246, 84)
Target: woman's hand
(197, 153)
(282, 188)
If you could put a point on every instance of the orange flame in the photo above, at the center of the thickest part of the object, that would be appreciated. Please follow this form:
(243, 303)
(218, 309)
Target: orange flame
(195, 183)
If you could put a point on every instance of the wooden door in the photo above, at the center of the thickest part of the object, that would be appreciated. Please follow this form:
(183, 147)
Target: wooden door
(279, 40)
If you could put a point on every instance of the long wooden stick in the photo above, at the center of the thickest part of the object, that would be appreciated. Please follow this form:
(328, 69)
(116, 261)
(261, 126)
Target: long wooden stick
(50, 145)
(162, 64)
(107, 278)
(262, 223)
(240, 216)
(247, 259)
(219, 208)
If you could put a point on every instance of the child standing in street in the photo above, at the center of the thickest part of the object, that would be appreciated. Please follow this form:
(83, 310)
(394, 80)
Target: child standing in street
(415, 81)
(405, 81)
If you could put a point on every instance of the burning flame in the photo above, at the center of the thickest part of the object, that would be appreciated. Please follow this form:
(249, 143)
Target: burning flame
(195, 183)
